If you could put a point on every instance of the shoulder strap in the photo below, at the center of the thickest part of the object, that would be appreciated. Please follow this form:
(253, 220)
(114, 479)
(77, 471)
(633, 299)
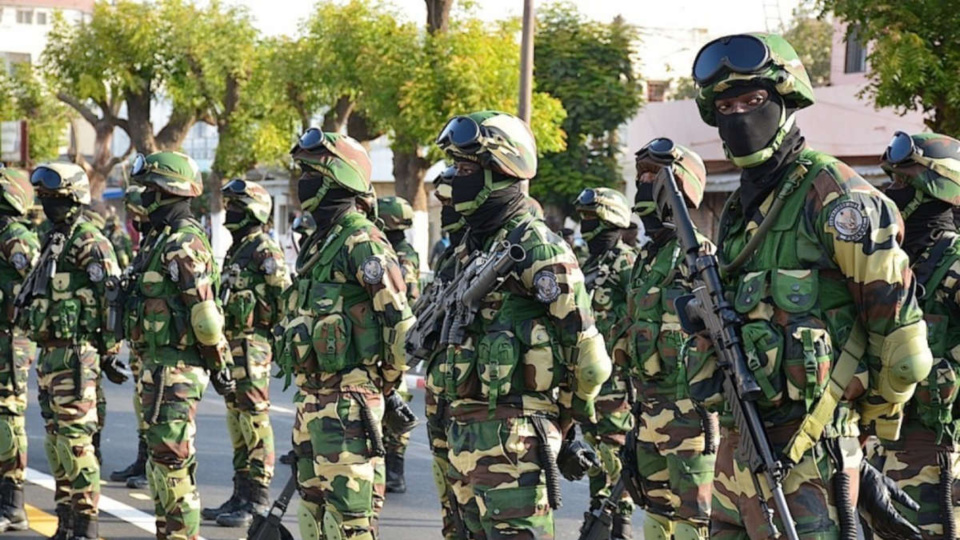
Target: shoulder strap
(245, 252)
(332, 245)
(927, 268)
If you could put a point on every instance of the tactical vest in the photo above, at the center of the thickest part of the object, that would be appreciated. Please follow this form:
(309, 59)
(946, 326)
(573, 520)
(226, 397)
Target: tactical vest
(331, 327)
(512, 352)
(795, 303)
(248, 309)
(69, 309)
(157, 319)
(10, 279)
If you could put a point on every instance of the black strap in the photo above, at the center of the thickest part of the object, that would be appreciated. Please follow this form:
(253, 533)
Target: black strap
(246, 251)
(925, 270)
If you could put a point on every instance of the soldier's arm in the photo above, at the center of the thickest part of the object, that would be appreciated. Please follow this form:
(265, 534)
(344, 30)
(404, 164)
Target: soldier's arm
(276, 279)
(374, 266)
(98, 259)
(860, 230)
(189, 264)
(411, 265)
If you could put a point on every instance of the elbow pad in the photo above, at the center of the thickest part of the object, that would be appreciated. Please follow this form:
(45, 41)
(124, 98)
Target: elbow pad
(394, 343)
(207, 322)
(593, 365)
(905, 360)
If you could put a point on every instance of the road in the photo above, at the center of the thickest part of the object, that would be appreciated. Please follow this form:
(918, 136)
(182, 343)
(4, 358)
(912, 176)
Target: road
(128, 514)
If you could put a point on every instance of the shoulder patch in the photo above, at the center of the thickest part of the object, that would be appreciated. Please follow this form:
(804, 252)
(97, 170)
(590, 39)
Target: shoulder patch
(174, 270)
(372, 271)
(95, 272)
(546, 286)
(850, 221)
(19, 261)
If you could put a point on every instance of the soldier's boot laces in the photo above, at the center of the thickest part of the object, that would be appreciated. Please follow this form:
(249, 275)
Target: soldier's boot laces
(85, 528)
(622, 527)
(395, 481)
(137, 468)
(12, 516)
(233, 503)
(64, 521)
(257, 501)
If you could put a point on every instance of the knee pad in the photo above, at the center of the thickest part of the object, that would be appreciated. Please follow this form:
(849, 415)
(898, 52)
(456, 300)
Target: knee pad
(9, 436)
(306, 519)
(657, 527)
(249, 428)
(65, 456)
(688, 531)
(332, 524)
(171, 485)
(50, 449)
(440, 479)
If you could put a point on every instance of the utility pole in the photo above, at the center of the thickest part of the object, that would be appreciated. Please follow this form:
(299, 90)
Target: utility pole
(526, 69)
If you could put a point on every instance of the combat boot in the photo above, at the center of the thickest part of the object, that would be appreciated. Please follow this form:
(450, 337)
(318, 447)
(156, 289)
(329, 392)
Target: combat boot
(233, 503)
(395, 480)
(85, 528)
(622, 528)
(257, 502)
(64, 520)
(138, 482)
(12, 516)
(137, 468)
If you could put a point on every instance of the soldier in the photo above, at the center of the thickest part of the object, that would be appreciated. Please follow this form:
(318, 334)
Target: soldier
(173, 319)
(256, 276)
(676, 438)
(343, 339)
(830, 322)
(925, 169)
(135, 474)
(19, 248)
(530, 338)
(604, 217)
(396, 214)
(63, 308)
(115, 232)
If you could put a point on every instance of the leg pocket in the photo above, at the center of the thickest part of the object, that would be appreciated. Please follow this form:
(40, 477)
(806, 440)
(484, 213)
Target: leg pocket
(508, 511)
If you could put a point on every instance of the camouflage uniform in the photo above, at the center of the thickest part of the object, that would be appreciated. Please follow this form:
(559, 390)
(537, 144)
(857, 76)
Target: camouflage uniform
(122, 244)
(925, 462)
(19, 249)
(256, 277)
(533, 339)
(832, 329)
(174, 319)
(607, 276)
(65, 314)
(396, 215)
(676, 438)
(343, 339)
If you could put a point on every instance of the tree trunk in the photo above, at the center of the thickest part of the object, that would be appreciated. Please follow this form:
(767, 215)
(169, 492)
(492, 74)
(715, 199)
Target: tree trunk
(438, 15)
(360, 129)
(408, 172)
(337, 117)
(140, 129)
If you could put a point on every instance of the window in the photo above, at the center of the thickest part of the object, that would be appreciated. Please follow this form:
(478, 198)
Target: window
(42, 17)
(24, 16)
(656, 90)
(856, 54)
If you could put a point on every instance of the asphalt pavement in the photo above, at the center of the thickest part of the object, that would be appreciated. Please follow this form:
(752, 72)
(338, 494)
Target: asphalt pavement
(128, 514)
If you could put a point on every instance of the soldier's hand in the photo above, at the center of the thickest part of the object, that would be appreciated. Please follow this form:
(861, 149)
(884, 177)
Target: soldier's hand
(876, 503)
(575, 459)
(398, 416)
(113, 368)
(223, 382)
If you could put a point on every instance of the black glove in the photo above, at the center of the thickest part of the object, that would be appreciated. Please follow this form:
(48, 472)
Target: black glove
(576, 458)
(877, 495)
(398, 417)
(223, 382)
(113, 368)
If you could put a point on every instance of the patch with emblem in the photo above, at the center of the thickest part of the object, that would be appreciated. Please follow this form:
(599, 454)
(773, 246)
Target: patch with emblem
(545, 283)
(270, 266)
(95, 272)
(850, 221)
(174, 270)
(372, 271)
(19, 261)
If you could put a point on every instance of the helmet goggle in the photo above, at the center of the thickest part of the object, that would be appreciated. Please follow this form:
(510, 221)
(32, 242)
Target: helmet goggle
(587, 197)
(900, 150)
(463, 133)
(740, 54)
(313, 139)
(661, 150)
(140, 165)
(235, 187)
(46, 178)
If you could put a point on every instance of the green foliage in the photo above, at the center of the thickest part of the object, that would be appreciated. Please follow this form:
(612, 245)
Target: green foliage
(682, 88)
(24, 96)
(589, 66)
(914, 56)
(812, 38)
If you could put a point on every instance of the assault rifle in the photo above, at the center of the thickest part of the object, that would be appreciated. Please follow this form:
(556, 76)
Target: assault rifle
(117, 288)
(269, 526)
(230, 276)
(707, 309)
(38, 280)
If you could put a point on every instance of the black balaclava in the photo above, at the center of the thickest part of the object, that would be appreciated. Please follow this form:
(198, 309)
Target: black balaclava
(603, 242)
(238, 216)
(651, 222)
(142, 227)
(466, 188)
(746, 133)
(395, 237)
(336, 202)
(925, 225)
(173, 209)
(494, 213)
(448, 216)
(60, 210)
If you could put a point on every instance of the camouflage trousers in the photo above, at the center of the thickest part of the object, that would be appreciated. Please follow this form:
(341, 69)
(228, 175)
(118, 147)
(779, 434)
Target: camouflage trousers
(676, 465)
(169, 395)
(916, 463)
(436, 413)
(136, 368)
(67, 380)
(340, 479)
(396, 444)
(248, 410)
(498, 480)
(17, 353)
(607, 436)
(809, 490)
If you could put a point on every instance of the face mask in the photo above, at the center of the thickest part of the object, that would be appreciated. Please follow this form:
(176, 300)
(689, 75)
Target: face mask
(234, 219)
(643, 202)
(589, 228)
(467, 188)
(149, 197)
(901, 196)
(651, 224)
(750, 132)
(58, 209)
(448, 217)
(307, 189)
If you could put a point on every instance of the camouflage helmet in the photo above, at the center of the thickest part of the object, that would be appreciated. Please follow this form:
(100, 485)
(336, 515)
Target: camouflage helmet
(688, 169)
(496, 140)
(609, 205)
(251, 197)
(172, 173)
(337, 157)
(929, 162)
(367, 203)
(62, 180)
(133, 201)
(396, 213)
(777, 63)
(17, 189)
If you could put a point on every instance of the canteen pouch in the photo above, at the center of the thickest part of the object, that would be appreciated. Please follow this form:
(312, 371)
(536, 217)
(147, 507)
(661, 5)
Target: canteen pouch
(497, 358)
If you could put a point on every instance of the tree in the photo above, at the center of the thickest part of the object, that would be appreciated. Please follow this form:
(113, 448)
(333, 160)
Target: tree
(812, 38)
(589, 66)
(34, 102)
(914, 55)
(682, 88)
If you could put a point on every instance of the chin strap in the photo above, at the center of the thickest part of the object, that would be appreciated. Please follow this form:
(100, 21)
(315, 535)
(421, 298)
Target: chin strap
(762, 155)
